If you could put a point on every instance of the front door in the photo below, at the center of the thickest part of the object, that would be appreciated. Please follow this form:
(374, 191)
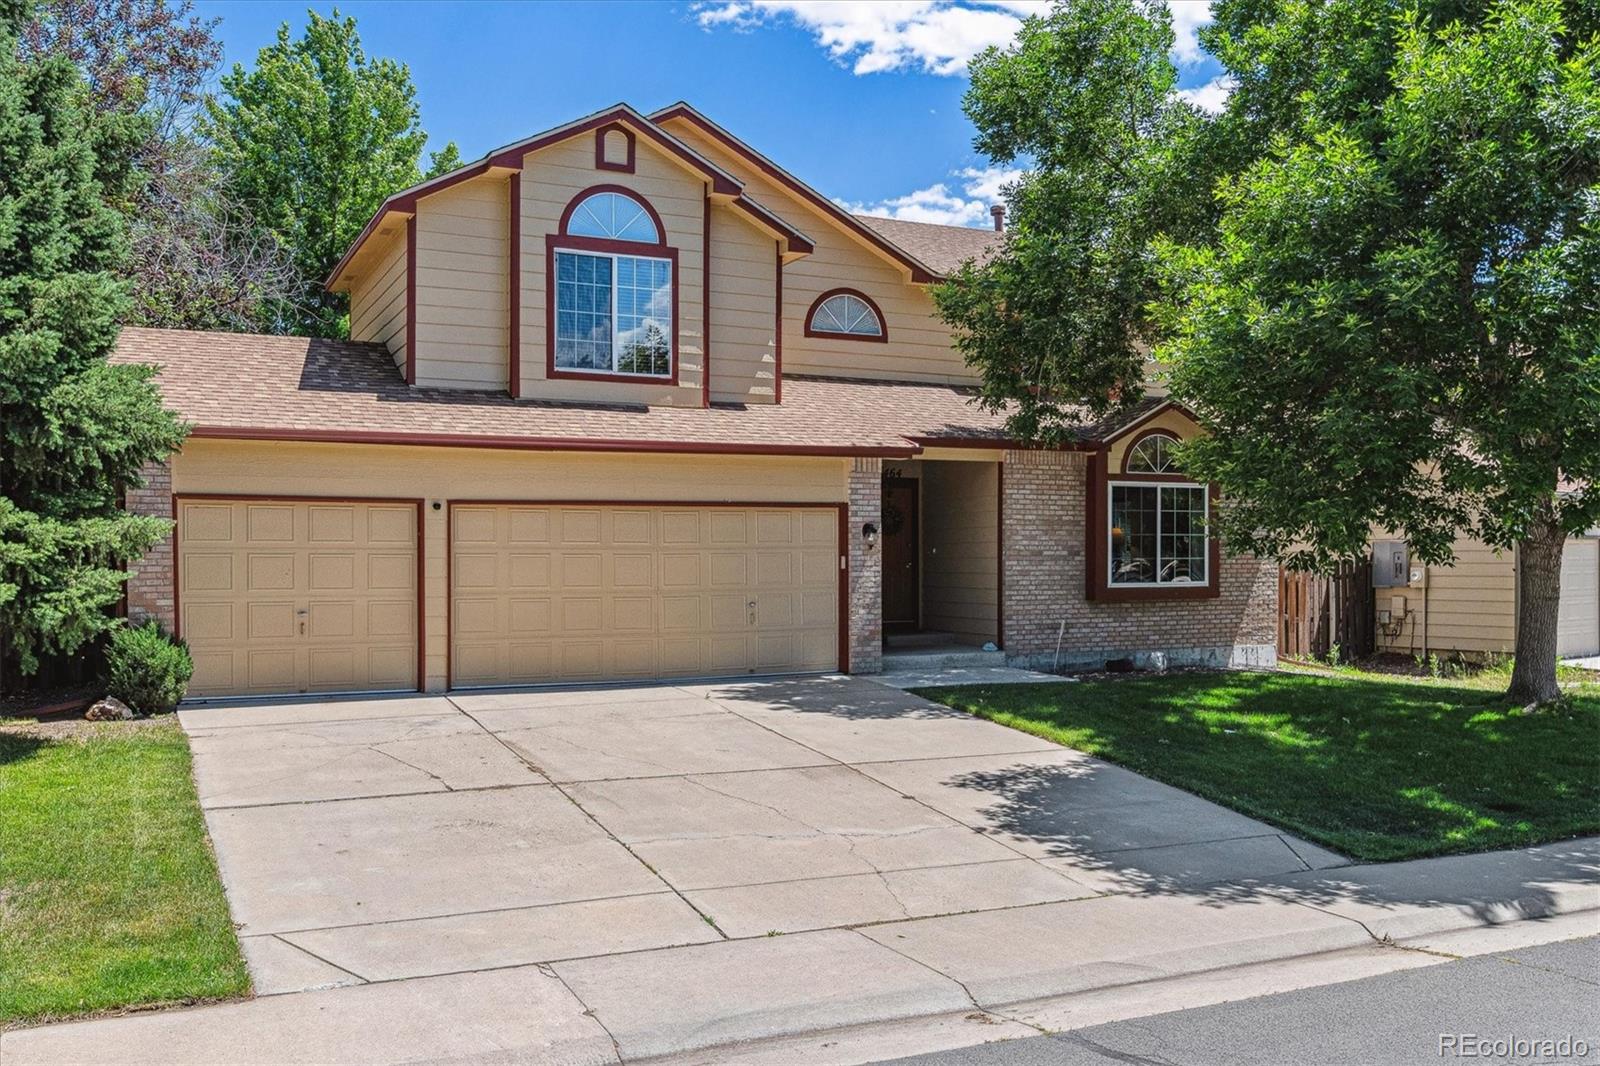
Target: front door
(900, 546)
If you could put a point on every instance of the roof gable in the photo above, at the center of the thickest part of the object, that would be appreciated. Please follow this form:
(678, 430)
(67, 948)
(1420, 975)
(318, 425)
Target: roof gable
(920, 271)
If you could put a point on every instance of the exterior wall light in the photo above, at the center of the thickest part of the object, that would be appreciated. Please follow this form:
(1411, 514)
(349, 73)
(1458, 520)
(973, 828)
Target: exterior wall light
(869, 533)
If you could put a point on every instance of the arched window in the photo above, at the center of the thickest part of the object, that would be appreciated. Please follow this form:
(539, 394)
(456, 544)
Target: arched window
(613, 216)
(846, 313)
(1152, 455)
(1158, 530)
(613, 288)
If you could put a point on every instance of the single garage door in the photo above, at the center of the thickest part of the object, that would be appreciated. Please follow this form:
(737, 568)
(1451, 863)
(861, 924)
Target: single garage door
(564, 592)
(279, 596)
(1578, 633)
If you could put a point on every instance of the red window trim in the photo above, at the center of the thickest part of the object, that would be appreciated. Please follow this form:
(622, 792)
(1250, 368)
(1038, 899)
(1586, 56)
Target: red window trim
(620, 190)
(600, 160)
(883, 323)
(1097, 535)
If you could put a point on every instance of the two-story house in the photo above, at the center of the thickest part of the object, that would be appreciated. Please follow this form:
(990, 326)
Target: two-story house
(626, 399)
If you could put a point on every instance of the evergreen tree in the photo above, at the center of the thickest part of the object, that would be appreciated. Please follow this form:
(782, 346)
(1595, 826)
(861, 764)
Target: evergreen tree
(74, 429)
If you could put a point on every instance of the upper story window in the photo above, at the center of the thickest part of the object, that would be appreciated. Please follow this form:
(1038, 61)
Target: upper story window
(846, 313)
(1157, 531)
(613, 216)
(614, 299)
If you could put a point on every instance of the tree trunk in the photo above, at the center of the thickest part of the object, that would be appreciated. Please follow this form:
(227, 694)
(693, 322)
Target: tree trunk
(1533, 677)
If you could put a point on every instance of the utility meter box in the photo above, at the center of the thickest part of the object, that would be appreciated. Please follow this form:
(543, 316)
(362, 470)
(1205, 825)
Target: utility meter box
(1391, 564)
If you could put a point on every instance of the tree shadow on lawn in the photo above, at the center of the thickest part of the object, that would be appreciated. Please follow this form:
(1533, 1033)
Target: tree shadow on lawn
(1058, 808)
(1381, 771)
(18, 747)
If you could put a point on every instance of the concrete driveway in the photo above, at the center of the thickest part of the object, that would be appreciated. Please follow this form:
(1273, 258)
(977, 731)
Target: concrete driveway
(377, 840)
(832, 867)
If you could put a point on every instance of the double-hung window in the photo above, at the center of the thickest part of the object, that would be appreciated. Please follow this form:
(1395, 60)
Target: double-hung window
(614, 297)
(1158, 527)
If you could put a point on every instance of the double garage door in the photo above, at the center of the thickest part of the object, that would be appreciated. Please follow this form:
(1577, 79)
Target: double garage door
(562, 592)
(286, 596)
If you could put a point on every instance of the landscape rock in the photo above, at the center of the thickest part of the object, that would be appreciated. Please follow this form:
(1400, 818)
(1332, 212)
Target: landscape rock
(109, 709)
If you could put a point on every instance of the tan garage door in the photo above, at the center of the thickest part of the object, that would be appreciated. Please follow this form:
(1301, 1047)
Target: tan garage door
(562, 592)
(1578, 634)
(297, 595)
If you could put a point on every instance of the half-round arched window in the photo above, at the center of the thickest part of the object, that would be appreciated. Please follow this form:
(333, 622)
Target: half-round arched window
(613, 216)
(1152, 455)
(846, 313)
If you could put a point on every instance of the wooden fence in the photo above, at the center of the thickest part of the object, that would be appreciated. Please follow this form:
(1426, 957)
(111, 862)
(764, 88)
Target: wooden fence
(1317, 611)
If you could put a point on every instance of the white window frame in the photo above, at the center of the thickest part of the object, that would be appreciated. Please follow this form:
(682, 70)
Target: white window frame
(672, 348)
(1158, 483)
(871, 314)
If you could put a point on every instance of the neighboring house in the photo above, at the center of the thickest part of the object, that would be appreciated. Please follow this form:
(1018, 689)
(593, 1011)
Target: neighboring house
(628, 400)
(1469, 609)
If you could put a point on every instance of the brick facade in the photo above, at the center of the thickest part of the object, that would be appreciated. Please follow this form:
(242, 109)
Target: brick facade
(866, 567)
(150, 589)
(1044, 556)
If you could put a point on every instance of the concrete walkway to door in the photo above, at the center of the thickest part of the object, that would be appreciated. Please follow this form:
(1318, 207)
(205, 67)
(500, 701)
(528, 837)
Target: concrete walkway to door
(593, 874)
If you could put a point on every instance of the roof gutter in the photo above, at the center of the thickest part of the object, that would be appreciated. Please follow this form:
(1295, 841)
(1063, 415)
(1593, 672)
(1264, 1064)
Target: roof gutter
(542, 444)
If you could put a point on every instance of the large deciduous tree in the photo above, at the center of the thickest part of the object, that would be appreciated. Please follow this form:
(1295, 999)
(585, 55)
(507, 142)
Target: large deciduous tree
(1398, 324)
(196, 259)
(315, 136)
(1373, 275)
(74, 429)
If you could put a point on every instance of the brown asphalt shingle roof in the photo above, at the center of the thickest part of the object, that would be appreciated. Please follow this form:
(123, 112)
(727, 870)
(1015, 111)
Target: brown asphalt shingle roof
(944, 248)
(236, 381)
(247, 384)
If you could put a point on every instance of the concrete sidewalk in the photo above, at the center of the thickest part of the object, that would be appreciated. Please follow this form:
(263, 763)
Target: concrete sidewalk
(898, 987)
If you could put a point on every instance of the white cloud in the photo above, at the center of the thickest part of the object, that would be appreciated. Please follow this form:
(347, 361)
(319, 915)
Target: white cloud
(936, 36)
(1212, 96)
(968, 206)
(1187, 18)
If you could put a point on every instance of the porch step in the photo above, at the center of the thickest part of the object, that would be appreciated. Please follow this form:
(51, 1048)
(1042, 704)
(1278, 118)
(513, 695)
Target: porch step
(940, 658)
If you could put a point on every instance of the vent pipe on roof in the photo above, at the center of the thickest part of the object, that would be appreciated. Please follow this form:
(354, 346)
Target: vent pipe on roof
(999, 213)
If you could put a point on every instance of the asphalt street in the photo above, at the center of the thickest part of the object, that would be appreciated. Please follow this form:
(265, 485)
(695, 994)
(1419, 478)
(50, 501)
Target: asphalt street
(1487, 1009)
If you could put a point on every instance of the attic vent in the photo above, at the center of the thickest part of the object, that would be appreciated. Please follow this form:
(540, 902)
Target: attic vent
(613, 148)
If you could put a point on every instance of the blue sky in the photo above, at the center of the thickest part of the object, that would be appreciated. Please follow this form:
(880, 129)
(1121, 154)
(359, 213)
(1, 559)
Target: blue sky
(862, 100)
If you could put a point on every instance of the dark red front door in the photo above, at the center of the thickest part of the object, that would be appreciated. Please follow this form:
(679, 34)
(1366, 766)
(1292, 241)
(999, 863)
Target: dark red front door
(900, 547)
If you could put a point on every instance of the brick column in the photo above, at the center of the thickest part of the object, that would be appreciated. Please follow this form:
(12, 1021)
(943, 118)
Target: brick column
(150, 589)
(1042, 550)
(866, 567)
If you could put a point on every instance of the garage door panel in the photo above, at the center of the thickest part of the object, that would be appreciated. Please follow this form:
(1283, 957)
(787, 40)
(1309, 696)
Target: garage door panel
(644, 591)
(281, 596)
(269, 573)
(269, 523)
(530, 616)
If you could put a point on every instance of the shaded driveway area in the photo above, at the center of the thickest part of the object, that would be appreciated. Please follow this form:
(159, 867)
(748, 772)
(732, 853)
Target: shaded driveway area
(593, 875)
(375, 840)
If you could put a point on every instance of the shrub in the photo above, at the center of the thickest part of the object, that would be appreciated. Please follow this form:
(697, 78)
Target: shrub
(146, 669)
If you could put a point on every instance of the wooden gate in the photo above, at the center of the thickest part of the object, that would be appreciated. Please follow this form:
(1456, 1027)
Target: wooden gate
(1317, 611)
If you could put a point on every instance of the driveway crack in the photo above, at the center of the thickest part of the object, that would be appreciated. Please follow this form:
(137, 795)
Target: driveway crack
(570, 798)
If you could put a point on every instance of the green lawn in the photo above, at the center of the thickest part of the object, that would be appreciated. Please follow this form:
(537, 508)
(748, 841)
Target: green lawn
(1378, 769)
(108, 890)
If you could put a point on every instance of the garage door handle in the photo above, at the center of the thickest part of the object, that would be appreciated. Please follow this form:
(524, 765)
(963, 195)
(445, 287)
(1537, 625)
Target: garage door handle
(750, 612)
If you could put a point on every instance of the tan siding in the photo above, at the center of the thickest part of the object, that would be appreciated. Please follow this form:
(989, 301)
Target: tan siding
(1467, 607)
(378, 298)
(461, 286)
(960, 549)
(744, 270)
(919, 347)
(552, 177)
(439, 474)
